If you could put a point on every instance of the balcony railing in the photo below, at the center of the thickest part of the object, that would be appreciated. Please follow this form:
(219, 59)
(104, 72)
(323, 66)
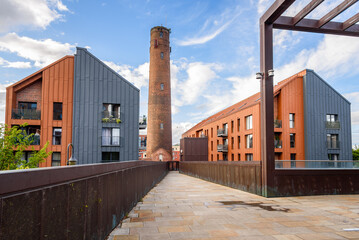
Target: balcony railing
(277, 123)
(332, 125)
(35, 140)
(30, 114)
(333, 144)
(110, 114)
(277, 143)
(110, 141)
(222, 147)
(316, 164)
(222, 132)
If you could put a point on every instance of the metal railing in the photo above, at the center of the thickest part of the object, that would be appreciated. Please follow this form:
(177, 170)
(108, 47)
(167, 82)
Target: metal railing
(222, 132)
(35, 140)
(110, 141)
(316, 164)
(277, 143)
(30, 114)
(110, 114)
(333, 144)
(277, 123)
(332, 125)
(222, 147)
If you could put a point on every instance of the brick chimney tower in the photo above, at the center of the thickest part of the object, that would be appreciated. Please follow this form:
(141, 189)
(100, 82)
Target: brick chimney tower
(159, 126)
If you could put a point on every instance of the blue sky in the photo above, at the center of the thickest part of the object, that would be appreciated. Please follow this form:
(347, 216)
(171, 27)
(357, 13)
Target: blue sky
(215, 48)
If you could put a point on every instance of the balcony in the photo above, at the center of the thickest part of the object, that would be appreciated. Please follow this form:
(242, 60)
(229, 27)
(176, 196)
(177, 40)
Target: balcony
(35, 140)
(277, 143)
(332, 125)
(222, 132)
(111, 117)
(333, 144)
(222, 147)
(29, 114)
(277, 123)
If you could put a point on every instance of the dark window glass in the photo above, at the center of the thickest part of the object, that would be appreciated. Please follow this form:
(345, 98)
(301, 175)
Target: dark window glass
(292, 140)
(56, 159)
(161, 34)
(161, 55)
(110, 156)
(57, 111)
(28, 105)
(56, 136)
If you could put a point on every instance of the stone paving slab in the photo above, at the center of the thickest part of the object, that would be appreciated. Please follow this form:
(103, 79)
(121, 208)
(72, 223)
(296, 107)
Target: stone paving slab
(183, 207)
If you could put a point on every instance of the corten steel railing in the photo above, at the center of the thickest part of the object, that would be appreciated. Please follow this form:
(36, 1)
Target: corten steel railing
(246, 176)
(73, 202)
(316, 164)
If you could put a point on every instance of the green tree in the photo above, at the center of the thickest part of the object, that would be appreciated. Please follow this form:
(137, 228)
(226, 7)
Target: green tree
(356, 153)
(13, 142)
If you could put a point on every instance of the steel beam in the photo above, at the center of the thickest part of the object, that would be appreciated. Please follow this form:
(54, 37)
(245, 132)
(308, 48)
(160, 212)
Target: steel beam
(306, 10)
(310, 25)
(275, 11)
(350, 22)
(267, 115)
(335, 12)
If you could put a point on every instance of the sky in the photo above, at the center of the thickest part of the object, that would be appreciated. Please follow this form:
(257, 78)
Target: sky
(215, 48)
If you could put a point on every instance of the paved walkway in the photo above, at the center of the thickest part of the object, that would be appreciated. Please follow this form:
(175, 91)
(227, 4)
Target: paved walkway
(183, 207)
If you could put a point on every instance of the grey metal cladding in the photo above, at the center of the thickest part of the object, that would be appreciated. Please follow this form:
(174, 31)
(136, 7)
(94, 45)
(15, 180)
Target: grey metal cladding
(321, 99)
(94, 84)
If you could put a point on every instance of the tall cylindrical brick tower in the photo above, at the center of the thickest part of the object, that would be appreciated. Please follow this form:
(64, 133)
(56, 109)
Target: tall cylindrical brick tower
(159, 126)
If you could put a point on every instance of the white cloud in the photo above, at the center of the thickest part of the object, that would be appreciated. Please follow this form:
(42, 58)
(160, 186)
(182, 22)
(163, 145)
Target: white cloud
(354, 99)
(8, 64)
(138, 76)
(263, 5)
(34, 13)
(212, 28)
(178, 129)
(42, 52)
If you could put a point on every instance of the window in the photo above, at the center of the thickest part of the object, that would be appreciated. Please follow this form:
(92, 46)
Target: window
(249, 141)
(110, 156)
(56, 159)
(56, 136)
(249, 122)
(161, 125)
(292, 160)
(217, 157)
(212, 157)
(28, 105)
(292, 140)
(212, 132)
(211, 145)
(232, 126)
(161, 34)
(232, 157)
(26, 155)
(332, 117)
(333, 141)
(225, 157)
(249, 157)
(239, 157)
(162, 86)
(161, 55)
(57, 111)
(225, 128)
(111, 111)
(110, 136)
(333, 157)
(238, 124)
(239, 142)
(160, 156)
(232, 142)
(291, 120)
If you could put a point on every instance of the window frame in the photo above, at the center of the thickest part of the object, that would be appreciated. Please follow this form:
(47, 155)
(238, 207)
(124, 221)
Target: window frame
(249, 122)
(54, 136)
(57, 112)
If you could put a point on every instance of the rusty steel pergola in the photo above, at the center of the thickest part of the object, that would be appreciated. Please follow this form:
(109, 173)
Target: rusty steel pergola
(273, 19)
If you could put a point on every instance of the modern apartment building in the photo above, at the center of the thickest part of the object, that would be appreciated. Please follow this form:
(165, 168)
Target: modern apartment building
(312, 122)
(80, 100)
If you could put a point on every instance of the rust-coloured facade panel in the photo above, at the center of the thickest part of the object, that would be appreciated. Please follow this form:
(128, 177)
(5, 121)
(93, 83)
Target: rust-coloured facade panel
(32, 99)
(234, 133)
